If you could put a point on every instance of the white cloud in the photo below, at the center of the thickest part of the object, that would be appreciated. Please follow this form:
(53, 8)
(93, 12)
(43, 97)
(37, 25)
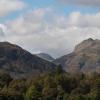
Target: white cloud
(3, 30)
(95, 3)
(43, 30)
(84, 20)
(31, 22)
(8, 6)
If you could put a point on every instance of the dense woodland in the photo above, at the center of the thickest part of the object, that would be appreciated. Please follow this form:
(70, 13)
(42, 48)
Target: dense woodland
(51, 86)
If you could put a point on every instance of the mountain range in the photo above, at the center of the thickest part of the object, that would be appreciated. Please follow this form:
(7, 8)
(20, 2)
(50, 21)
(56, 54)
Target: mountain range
(20, 63)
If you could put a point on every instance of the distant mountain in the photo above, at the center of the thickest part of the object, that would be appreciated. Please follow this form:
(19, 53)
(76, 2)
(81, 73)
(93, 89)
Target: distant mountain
(20, 63)
(85, 58)
(45, 56)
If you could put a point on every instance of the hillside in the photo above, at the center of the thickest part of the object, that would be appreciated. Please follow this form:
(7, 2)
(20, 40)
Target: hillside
(19, 62)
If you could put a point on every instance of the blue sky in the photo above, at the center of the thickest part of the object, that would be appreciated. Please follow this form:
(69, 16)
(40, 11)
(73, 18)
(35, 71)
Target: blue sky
(57, 6)
(50, 26)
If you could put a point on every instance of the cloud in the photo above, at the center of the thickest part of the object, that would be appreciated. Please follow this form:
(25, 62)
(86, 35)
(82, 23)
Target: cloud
(29, 23)
(8, 6)
(84, 20)
(43, 30)
(95, 3)
(3, 30)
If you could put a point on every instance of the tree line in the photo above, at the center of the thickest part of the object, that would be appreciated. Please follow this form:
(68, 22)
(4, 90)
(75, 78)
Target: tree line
(56, 85)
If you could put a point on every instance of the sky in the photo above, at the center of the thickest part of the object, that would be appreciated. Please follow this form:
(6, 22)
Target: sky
(49, 26)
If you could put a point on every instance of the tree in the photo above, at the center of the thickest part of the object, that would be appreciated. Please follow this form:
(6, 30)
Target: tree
(59, 69)
(33, 94)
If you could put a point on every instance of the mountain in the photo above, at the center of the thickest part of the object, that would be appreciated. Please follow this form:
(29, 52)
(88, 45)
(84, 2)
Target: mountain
(85, 58)
(20, 63)
(45, 56)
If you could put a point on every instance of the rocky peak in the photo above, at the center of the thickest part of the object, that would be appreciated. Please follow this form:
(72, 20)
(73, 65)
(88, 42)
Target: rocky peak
(88, 45)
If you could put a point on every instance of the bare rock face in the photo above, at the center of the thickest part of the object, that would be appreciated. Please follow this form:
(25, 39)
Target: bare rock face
(19, 62)
(84, 45)
(85, 58)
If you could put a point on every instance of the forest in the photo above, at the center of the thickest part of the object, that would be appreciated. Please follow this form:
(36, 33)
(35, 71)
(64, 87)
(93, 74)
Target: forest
(57, 85)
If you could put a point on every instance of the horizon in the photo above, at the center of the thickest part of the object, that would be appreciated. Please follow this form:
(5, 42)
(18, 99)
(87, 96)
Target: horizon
(49, 26)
